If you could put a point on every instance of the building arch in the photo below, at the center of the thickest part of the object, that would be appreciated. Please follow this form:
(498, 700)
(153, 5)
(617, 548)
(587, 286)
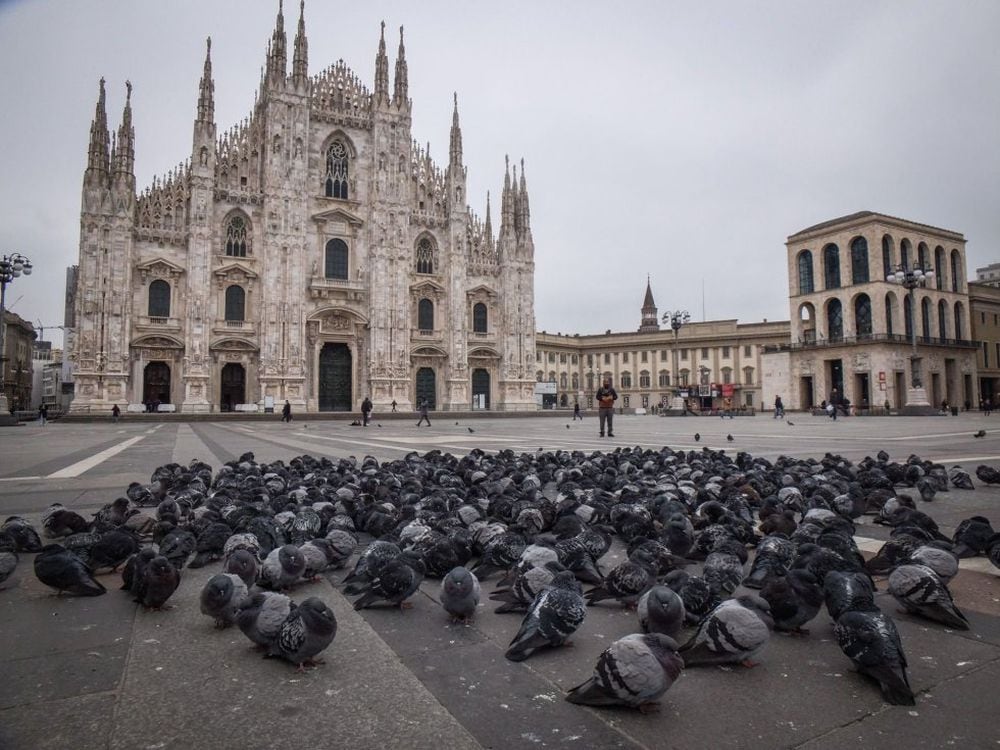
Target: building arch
(337, 156)
(834, 320)
(859, 261)
(159, 299)
(942, 319)
(480, 318)
(888, 264)
(626, 379)
(575, 380)
(831, 266)
(959, 321)
(663, 379)
(425, 315)
(805, 266)
(862, 316)
(807, 321)
(237, 235)
(925, 317)
(939, 267)
(891, 311)
(956, 271)
(336, 261)
(236, 301)
(426, 254)
(904, 253)
(923, 259)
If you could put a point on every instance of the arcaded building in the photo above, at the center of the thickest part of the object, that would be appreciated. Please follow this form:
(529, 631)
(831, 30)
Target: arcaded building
(312, 252)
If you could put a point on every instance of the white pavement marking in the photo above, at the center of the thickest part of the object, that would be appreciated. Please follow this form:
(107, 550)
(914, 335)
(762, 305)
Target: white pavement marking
(962, 459)
(352, 441)
(75, 470)
(16, 479)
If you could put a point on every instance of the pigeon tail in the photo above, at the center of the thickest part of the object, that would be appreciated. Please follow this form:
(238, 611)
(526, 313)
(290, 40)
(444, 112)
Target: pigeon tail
(590, 693)
(895, 687)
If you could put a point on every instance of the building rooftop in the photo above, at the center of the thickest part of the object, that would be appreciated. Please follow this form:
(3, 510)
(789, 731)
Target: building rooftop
(864, 216)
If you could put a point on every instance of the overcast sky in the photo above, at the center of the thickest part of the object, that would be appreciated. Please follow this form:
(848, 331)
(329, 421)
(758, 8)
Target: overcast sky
(685, 140)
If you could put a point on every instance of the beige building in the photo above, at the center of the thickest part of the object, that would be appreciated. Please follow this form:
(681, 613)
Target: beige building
(713, 364)
(984, 303)
(313, 252)
(850, 328)
(19, 344)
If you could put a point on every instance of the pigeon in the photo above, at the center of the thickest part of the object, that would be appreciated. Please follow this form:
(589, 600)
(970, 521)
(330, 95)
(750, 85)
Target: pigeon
(315, 556)
(795, 599)
(470, 429)
(60, 569)
(243, 564)
(396, 582)
(988, 474)
(58, 521)
(697, 437)
(222, 597)
(735, 631)
(943, 562)
(210, 545)
(8, 564)
(626, 582)
(723, 572)
(661, 610)
(567, 427)
(134, 571)
(246, 541)
(981, 433)
(971, 536)
(25, 537)
(790, 423)
(369, 563)
(694, 591)
(871, 641)
(993, 550)
(112, 550)
(261, 617)
(844, 591)
(460, 594)
(160, 580)
(553, 617)
(178, 546)
(500, 553)
(527, 584)
(922, 593)
(309, 628)
(282, 568)
(634, 671)
(730, 438)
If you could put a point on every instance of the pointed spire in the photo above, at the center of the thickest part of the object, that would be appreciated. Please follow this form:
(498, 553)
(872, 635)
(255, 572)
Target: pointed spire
(99, 149)
(401, 86)
(648, 301)
(488, 224)
(277, 58)
(381, 71)
(206, 89)
(650, 319)
(524, 210)
(124, 160)
(455, 147)
(506, 203)
(300, 58)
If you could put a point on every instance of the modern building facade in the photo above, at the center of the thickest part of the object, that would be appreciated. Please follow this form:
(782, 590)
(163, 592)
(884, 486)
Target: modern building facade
(313, 252)
(852, 331)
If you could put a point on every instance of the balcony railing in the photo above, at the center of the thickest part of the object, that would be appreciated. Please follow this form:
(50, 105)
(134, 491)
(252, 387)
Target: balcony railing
(872, 338)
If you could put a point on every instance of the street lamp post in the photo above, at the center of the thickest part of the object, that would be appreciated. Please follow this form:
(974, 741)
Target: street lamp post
(677, 319)
(11, 266)
(911, 278)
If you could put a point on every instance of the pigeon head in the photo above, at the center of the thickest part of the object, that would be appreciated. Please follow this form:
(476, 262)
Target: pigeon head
(318, 617)
(566, 580)
(160, 566)
(458, 582)
(219, 589)
(291, 558)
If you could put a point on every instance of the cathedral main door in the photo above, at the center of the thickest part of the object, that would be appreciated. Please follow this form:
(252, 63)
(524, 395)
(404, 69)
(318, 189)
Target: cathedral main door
(426, 387)
(335, 378)
(234, 386)
(156, 383)
(480, 389)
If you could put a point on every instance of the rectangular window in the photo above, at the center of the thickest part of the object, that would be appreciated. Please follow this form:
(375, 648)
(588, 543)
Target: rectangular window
(704, 352)
(574, 359)
(645, 356)
(590, 360)
(996, 319)
(552, 356)
(624, 356)
(562, 359)
(997, 360)
(684, 354)
(663, 355)
(725, 352)
(749, 401)
(986, 354)
(607, 359)
(538, 356)
(747, 350)
(982, 318)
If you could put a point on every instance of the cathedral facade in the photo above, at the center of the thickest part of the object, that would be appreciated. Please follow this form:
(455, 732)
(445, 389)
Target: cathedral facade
(314, 252)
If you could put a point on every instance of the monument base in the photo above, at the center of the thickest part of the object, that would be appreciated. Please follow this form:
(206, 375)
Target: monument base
(917, 404)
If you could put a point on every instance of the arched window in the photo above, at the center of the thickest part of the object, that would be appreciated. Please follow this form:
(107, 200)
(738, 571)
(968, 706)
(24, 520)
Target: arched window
(862, 316)
(907, 319)
(942, 319)
(664, 379)
(806, 285)
(727, 374)
(539, 375)
(831, 266)
(956, 271)
(562, 381)
(807, 320)
(748, 376)
(939, 267)
(644, 379)
(959, 312)
(552, 376)
(887, 264)
(576, 381)
(590, 381)
(236, 303)
(335, 181)
(834, 320)
(626, 379)
(479, 318)
(425, 256)
(904, 253)
(336, 260)
(859, 261)
(925, 318)
(159, 299)
(685, 377)
(890, 311)
(237, 236)
(922, 259)
(425, 315)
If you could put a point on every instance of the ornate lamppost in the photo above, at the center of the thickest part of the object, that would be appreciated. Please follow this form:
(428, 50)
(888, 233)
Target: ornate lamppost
(911, 278)
(11, 266)
(677, 320)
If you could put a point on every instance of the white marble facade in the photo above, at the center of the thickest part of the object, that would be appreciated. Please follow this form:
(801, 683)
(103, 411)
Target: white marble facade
(313, 252)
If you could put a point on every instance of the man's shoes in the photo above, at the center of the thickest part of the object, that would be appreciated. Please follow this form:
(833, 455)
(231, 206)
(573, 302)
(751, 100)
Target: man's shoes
(611, 434)
(600, 434)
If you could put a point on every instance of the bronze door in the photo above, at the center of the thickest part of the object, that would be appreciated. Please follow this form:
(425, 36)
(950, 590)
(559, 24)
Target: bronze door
(156, 383)
(335, 378)
(480, 389)
(427, 387)
(234, 391)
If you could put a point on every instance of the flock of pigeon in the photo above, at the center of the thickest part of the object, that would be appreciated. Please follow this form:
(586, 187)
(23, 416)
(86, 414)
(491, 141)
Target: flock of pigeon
(542, 522)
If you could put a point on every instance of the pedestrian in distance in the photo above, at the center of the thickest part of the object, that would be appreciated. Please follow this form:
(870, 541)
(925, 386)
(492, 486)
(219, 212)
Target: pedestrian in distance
(606, 397)
(394, 405)
(366, 411)
(115, 413)
(831, 411)
(43, 414)
(576, 412)
(286, 412)
(423, 413)
(779, 408)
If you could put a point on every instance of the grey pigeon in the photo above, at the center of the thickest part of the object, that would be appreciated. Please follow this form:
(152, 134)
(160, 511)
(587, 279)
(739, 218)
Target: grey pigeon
(307, 631)
(342, 546)
(921, 592)
(58, 521)
(844, 591)
(460, 594)
(112, 550)
(315, 557)
(160, 581)
(134, 571)
(244, 564)
(735, 631)
(8, 564)
(25, 537)
(60, 569)
(282, 568)
(795, 599)
(527, 584)
(723, 572)
(261, 617)
(971, 536)
(222, 597)
(396, 582)
(177, 546)
(369, 563)
(246, 541)
(943, 562)
(871, 641)
(633, 671)
(628, 581)
(960, 478)
(553, 617)
(661, 610)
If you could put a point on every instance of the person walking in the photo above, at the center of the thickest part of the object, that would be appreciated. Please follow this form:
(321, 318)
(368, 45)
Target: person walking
(286, 411)
(606, 397)
(393, 405)
(43, 414)
(366, 411)
(115, 413)
(423, 413)
(779, 408)
(576, 412)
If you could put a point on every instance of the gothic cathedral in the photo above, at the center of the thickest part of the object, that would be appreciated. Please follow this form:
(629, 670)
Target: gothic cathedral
(314, 252)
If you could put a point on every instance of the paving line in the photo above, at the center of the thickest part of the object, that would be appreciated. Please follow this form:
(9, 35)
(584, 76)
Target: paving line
(17, 479)
(75, 470)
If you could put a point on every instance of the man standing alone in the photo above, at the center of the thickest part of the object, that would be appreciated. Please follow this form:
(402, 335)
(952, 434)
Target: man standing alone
(423, 413)
(606, 397)
(366, 411)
